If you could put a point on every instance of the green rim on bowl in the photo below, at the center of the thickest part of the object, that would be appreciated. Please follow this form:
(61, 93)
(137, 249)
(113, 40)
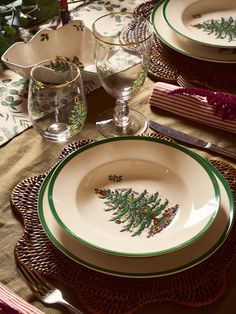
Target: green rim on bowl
(202, 253)
(106, 237)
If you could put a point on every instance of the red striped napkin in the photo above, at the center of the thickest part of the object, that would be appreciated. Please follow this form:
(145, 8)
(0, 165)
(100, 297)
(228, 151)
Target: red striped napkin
(10, 303)
(189, 107)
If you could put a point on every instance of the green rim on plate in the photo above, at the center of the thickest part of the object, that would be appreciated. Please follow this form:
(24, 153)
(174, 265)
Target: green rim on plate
(180, 148)
(210, 23)
(191, 263)
(185, 46)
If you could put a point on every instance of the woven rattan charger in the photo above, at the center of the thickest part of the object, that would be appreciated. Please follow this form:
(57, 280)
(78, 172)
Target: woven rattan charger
(167, 64)
(101, 293)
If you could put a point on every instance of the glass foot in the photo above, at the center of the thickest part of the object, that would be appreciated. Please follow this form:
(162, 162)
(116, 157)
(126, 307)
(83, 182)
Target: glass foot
(107, 128)
(56, 132)
(58, 128)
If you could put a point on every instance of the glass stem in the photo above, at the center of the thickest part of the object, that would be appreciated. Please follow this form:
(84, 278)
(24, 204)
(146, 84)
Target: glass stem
(121, 114)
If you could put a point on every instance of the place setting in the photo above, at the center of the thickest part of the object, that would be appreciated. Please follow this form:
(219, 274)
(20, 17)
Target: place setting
(82, 239)
(186, 67)
(199, 53)
(136, 217)
(210, 24)
(178, 38)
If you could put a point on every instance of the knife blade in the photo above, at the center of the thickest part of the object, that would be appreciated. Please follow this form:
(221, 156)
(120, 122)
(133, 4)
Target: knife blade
(189, 139)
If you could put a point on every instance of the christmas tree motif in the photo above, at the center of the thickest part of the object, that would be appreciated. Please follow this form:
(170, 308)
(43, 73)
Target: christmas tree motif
(138, 212)
(223, 28)
(78, 116)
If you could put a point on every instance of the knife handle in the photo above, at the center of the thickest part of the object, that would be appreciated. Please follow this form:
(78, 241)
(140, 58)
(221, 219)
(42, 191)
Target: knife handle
(222, 151)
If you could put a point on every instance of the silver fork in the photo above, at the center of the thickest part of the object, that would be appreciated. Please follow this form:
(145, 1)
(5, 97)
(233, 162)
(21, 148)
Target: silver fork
(44, 290)
(183, 82)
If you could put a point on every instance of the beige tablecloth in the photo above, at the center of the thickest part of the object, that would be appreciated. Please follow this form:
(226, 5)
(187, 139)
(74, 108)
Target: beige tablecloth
(27, 154)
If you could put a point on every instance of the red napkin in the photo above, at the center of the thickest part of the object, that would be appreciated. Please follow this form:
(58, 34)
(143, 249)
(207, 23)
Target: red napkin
(10, 303)
(191, 107)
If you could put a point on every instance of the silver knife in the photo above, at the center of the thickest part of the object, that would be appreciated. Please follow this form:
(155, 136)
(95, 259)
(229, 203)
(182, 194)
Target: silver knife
(189, 139)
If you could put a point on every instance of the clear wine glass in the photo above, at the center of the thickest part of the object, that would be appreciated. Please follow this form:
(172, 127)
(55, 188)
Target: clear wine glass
(122, 58)
(56, 102)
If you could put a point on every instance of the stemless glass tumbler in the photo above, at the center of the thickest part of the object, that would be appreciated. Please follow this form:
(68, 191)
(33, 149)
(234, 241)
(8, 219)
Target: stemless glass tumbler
(56, 102)
(122, 58)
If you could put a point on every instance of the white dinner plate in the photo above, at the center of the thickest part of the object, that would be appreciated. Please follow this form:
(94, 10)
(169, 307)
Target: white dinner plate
(140, 267)
(134, 196)
(211, 22)
(186, 46)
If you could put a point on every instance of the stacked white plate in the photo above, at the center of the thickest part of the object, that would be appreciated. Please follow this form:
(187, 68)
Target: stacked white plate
(200, 29)
(136, 207)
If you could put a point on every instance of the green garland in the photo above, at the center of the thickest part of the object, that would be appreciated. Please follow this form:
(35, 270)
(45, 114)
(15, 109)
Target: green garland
(23, 13)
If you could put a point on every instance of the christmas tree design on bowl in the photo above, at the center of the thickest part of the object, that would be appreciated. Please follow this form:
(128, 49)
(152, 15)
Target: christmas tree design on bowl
(133, 196)
(138, 212)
